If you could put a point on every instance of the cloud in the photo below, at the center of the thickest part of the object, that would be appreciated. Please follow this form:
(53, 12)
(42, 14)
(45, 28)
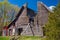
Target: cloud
(51, 7)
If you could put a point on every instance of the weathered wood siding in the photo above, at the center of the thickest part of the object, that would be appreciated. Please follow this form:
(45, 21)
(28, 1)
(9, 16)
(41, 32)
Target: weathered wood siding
(40, 19)
(42, 14)
(23, 19)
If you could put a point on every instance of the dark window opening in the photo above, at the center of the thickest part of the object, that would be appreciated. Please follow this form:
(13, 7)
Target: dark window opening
(10, 32)
(31, 20)
(20, 30)
(13, 24)
(43, 31)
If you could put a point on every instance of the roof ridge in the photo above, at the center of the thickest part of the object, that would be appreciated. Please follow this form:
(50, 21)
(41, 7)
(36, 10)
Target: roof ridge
(45, 6)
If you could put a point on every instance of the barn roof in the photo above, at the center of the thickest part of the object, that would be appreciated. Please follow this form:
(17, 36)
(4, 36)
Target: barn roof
(45, 6)
(19, 13)
(28, 13)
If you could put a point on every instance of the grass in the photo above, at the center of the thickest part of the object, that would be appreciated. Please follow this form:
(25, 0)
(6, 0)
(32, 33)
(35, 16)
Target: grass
(4, 38)
(30, 38)
(23, 38)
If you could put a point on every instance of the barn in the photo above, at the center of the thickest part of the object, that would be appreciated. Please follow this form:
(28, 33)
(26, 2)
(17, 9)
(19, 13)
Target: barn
(28, 22)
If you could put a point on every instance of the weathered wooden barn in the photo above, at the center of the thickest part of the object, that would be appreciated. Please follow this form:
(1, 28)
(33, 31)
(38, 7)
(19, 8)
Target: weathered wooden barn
(28, 22)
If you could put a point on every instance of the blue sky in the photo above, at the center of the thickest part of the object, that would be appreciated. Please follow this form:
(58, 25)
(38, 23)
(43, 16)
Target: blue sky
(49, 2)
(33, 3)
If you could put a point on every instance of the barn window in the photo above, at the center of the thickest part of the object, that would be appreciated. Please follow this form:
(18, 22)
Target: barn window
(20, 31)
(31, 20)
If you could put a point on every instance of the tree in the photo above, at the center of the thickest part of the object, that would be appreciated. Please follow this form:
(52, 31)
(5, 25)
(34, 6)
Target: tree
(8, 8)
(52, 28)
(7, 13)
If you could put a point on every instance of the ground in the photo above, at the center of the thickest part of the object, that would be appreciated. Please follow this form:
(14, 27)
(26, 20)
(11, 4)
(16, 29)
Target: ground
(22, 38)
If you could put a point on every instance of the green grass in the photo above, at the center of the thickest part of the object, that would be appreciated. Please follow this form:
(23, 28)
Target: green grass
(30, 38)
(4, 38)
(23, 38)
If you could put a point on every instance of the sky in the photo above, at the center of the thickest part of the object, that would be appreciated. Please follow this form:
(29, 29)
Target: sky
(33, 3)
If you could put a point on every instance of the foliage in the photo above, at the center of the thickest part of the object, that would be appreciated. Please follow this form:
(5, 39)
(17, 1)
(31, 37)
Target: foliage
(52, 28)
(7, 13)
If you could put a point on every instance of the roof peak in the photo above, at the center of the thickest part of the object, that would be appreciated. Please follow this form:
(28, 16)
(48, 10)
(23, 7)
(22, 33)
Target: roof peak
(40, 2)
(25, 5)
